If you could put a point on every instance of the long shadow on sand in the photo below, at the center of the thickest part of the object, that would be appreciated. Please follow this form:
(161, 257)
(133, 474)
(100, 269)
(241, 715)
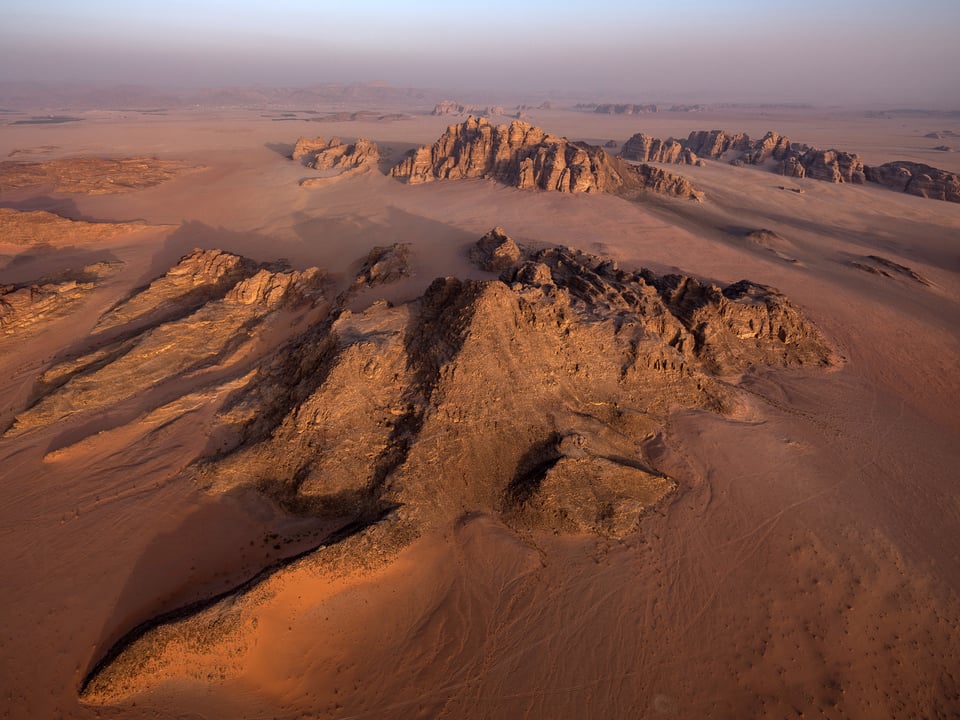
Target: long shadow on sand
(40, 261)
(64, 207)
(282, 149)
(344, 240)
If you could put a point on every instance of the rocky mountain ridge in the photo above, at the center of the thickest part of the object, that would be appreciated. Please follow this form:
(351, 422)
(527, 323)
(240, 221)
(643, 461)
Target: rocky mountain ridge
(526, 157)
(793, 160)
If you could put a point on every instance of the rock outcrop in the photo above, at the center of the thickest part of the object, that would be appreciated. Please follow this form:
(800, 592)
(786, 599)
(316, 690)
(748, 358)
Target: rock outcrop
(625, 109)
(794, 160)
(198, 278)
(531, 397)
(495, 251)
(334, 154)
(833, 166)
(91, 175)
(37, 227)
(714, 143)
(645, 149)
(306, 148)
(917, 179)
(526, 157)
(660, 181)
(450, 107)
(165, 352)
(23, 307)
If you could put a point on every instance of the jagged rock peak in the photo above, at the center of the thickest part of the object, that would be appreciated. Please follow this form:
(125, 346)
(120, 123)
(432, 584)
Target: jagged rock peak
(525, 157)
(495, 251)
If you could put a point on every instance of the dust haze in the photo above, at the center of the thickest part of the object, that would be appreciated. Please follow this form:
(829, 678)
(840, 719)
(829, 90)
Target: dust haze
(879, 53)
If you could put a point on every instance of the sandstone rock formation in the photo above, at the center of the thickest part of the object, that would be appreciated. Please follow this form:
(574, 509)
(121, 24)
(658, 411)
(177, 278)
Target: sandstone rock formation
(665, 183)
(91, 175)
(307, 148)
(198, 278)
(531, 396)
(41, 227)
(495, 251)
(917, 179)
(649, 149)
(165, 352)
(24, 306)
(625, 109)
(795, 160)
(450, 107)
(526, 157)
(772, 145)
(833, 166)
(323, 155)
(384, 265)
(714, 143)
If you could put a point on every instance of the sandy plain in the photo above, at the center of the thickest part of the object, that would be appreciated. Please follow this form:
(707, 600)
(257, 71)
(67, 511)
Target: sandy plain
(808, 567)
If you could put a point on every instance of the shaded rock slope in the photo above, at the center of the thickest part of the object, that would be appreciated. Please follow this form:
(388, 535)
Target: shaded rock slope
(532, 396)
(526, 157)
(794, 160)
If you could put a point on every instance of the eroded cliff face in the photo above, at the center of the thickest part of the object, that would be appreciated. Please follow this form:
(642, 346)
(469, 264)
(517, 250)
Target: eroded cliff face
(532, 395)
(526, 157)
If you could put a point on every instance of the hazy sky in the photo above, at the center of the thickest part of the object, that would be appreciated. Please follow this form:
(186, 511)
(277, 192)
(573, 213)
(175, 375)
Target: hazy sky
(740, 50)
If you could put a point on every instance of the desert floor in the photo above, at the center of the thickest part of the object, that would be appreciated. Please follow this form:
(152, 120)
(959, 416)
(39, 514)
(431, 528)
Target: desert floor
(808, 567)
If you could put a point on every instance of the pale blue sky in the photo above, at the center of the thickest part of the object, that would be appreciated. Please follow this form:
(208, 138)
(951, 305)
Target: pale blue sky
(741, 49)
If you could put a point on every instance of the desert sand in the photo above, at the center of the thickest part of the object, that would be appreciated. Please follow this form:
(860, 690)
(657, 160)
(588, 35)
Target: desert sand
(805, 565)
